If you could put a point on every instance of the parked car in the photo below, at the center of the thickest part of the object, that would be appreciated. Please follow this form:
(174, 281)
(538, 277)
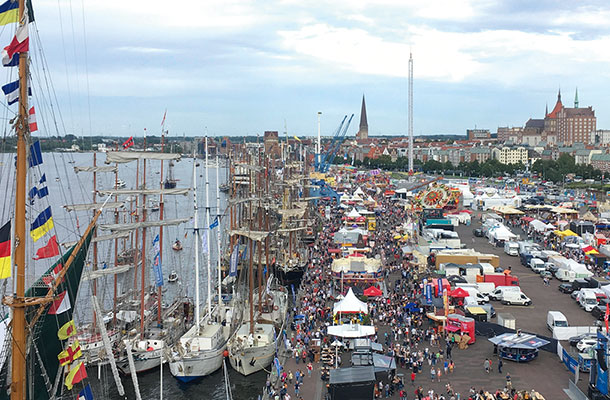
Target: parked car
(599, 312)
(478, 232)
(585, 343)
(565, 288)
(546, 274)
(575, 339)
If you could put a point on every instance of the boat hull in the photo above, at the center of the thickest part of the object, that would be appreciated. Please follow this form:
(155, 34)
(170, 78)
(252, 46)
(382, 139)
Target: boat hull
(192, 367)
(143, 362)
(252, 359)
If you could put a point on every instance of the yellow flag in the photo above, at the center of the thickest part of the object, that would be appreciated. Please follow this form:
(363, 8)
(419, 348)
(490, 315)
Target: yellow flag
(69, 329)
(77, 373)
(297, 139)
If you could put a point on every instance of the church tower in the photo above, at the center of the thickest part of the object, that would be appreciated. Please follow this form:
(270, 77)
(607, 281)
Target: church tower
(363, 131)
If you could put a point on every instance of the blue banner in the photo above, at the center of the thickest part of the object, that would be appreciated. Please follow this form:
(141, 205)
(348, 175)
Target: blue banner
(428, 294)
(157, 263)
(214, 224)
(233, 262)
(569, 361)
(439, 288)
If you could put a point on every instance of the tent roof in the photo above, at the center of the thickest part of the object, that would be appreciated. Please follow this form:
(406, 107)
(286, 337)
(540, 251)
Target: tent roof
(372, 291)
(350, 304)
(341, 376)
(353, 214)
(459, 292)
(351, 331)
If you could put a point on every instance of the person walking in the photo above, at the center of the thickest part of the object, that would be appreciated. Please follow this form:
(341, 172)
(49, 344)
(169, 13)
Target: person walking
(439, 372)
(509, 383)
(432, 374)
(487, 365)
(413, 378)
(500, 364)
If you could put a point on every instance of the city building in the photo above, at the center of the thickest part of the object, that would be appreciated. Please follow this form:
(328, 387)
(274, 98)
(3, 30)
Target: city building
(600, 137)
(583, 156)
(601, 162)
(272, 145)
(510, 155)
(363, 131)
(476, 134)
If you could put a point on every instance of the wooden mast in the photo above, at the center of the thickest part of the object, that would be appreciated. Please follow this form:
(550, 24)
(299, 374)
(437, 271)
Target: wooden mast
(94, 234)
(160, 288)
(18, 349)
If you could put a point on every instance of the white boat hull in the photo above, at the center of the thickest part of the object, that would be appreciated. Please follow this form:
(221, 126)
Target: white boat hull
(142, 361)
(252, 359)
(198, 365)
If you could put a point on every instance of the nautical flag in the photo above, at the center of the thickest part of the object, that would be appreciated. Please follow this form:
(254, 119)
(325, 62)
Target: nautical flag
(35, 154)
(32, 120)
(164, 114)
(128, 143)
(297, 138)
(10, 61)
(214, 224)
(70, 354)
(21, 40)
(157, 263)
(48, 251)
(42, 224)
(9, 12)
(85, 394)
(204, 242)
(5, 251)
(77, 373)
(41, 191)
(49, 279)
(61, 305)
(233, 261)
(67, 330)
(11, 90)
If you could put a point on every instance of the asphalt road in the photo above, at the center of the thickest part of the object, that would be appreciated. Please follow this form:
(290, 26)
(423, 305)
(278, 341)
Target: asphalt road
(545, 298)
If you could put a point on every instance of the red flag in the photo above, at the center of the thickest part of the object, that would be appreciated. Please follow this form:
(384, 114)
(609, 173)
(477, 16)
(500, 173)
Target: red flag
(606, 316)
(128, 143)
(50, 250)
(32, 120)
(21, 40)
(50, 278)
(164, 114)
(61, 305)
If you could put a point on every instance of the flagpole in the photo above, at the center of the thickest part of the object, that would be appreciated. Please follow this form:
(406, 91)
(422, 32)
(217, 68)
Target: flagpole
(18, 352)
(207, 229)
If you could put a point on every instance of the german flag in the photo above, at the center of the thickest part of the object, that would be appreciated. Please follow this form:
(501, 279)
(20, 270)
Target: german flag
(5, 251)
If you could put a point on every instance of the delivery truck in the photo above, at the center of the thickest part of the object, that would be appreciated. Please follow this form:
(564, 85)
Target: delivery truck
(501, 279)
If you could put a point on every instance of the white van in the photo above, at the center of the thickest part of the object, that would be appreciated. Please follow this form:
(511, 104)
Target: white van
(565, 275)
(519, 298)
(537, 265)
(485, 287)
(498, 293)
(481, 298)
(555, 318)
(511, 248)
(587, 299)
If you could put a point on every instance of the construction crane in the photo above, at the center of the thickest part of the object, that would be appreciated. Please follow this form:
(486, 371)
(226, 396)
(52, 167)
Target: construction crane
(334, 146)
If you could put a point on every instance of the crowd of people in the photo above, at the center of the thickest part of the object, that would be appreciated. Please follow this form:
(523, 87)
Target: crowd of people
(423, 353)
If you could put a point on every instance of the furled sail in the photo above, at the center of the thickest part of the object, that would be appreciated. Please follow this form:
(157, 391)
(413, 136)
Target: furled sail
(254, 235)
(121, 157)
(104, 168)
(165, 192)
(146, 224)
(102, 238)
(93, 206)
(107, 271)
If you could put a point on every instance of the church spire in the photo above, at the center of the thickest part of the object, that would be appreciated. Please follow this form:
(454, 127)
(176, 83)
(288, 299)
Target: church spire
(363, 132)
(559, 96)
(576, 99)
(546, 110)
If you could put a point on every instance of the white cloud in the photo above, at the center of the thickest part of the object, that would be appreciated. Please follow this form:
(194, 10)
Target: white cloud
(144, 50)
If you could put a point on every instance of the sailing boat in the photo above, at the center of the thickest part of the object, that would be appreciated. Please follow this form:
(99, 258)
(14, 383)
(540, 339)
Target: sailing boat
(200, 351)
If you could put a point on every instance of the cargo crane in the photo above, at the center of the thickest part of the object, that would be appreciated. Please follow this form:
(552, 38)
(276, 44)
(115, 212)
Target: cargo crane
(338, 138)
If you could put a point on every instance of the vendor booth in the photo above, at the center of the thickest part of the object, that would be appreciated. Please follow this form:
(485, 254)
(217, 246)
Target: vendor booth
(461, 325)
(519, 347)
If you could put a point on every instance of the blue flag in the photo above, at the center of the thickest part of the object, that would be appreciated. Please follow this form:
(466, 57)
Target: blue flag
(35, 154)
(39, 191)
(214, 224)
(85, 394)
(11, 90)
(233, 262)
(157, 263)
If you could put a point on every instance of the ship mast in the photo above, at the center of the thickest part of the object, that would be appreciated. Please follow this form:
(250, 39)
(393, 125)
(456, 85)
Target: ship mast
(18, 349)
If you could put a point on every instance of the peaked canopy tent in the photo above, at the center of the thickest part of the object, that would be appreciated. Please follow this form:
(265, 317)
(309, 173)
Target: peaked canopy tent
(350, 305)
(353, 214)
(459, 292)
(373, 291)
(500, 232)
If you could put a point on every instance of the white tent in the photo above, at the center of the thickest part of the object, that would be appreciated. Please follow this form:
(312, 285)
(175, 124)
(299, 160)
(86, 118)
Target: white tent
(358, 192)
(540, 226)
(500, 232)
(353, 214)
(351, 330)
(350, 305)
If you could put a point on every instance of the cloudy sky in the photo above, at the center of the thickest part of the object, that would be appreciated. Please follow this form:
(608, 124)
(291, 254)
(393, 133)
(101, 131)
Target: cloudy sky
(242, 67)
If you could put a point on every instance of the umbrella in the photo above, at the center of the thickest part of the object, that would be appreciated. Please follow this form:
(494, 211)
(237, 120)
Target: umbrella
(459, 292)
(337, 343)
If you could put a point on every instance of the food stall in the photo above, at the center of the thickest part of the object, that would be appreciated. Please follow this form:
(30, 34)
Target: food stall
(519, 347)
